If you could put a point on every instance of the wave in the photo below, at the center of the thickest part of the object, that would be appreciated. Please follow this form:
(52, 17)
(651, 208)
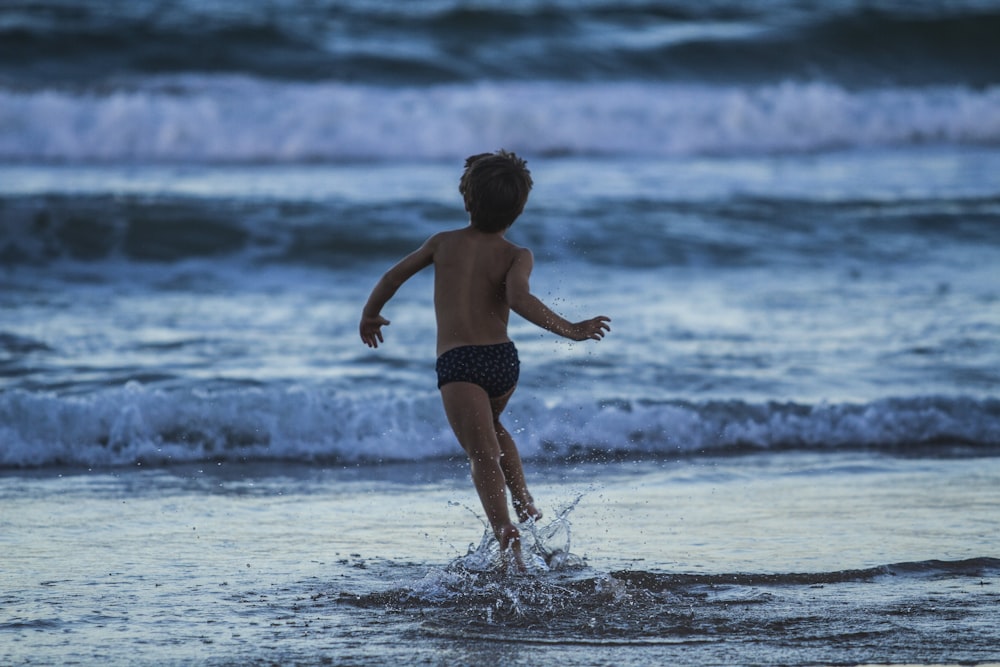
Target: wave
(338, 232)
(211, 120)
(137, 424)
(454, 42)
(140, 229)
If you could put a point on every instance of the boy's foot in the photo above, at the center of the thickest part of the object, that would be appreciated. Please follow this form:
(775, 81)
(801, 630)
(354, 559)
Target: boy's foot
(526, 510)
(510, 538)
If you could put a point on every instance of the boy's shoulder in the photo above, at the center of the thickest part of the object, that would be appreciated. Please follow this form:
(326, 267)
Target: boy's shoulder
(446, 246)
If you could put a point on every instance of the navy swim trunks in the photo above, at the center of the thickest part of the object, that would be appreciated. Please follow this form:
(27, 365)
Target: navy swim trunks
(495, 368)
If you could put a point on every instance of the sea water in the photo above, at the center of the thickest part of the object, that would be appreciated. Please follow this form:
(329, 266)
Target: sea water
(785, 558)
(786, 451)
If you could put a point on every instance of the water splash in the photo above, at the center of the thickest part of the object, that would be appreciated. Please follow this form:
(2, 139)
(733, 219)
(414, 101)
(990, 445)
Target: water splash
(486, 589)
(545, 547)
(551, 542)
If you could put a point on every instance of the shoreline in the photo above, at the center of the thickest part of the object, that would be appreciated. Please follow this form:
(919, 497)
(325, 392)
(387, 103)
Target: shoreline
(255, 565)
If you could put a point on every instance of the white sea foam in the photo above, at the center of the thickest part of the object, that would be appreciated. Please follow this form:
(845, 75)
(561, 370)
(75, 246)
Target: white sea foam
(201, 119)
(136, 424)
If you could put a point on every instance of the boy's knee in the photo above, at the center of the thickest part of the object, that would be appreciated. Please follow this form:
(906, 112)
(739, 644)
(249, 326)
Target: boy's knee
(484, 455)
(488, 460)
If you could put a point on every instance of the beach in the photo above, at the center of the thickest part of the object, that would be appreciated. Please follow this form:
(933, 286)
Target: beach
(782, 558)
(786, 451)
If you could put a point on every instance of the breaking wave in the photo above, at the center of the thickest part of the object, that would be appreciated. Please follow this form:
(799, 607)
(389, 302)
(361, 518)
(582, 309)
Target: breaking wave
(206, 120)
(136, 424)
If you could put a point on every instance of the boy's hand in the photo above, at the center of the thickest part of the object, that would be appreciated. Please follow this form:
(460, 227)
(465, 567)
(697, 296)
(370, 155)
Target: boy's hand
(592, 329)
(371, 330)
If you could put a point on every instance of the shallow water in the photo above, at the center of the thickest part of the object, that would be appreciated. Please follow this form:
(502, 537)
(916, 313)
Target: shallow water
(762, 558)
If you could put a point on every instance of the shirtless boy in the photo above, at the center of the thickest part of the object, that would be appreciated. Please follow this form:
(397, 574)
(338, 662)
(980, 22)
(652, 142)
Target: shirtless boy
(479, 277)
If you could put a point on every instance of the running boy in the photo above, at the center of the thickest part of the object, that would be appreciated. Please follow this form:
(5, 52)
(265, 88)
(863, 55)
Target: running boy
(479, 277)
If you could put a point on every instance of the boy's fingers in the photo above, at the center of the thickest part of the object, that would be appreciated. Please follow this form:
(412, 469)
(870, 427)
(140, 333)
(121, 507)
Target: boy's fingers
(371, 338)
(602, 327)
(371, 333)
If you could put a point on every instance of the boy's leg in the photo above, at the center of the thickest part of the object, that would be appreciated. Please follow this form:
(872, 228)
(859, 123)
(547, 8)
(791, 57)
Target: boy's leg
(468, 410)
(510, 462)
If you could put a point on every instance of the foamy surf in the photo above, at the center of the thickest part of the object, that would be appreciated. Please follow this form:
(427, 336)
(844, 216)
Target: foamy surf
(150, 426)
(213, 120)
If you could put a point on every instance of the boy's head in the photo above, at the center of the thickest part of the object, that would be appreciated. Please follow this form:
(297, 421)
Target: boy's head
(495, 187)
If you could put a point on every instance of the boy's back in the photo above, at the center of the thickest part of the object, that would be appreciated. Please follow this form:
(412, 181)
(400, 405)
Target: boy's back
(470, 287)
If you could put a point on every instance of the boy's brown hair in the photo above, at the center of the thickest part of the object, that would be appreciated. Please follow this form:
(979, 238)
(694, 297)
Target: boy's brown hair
(495, 187)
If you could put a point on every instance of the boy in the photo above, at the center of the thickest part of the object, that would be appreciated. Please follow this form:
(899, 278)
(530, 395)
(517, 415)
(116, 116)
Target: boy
(479, 277)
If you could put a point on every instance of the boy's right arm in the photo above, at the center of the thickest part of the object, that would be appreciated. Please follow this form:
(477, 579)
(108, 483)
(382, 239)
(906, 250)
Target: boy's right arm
(530, 307)
(371, 318)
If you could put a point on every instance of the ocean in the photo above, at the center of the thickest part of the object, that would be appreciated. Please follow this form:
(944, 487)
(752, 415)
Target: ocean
(787, 450)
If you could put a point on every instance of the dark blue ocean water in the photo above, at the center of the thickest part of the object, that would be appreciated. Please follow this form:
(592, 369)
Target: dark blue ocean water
(790, 210)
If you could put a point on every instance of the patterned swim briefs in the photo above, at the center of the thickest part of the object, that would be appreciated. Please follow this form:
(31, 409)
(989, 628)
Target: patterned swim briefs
(495, 368)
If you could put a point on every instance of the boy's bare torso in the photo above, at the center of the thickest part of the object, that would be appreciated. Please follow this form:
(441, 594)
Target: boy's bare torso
(470, 287)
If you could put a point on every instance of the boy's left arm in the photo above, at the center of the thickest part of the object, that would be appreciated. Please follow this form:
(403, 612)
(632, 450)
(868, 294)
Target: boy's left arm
(371, 318)
(531, 308)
